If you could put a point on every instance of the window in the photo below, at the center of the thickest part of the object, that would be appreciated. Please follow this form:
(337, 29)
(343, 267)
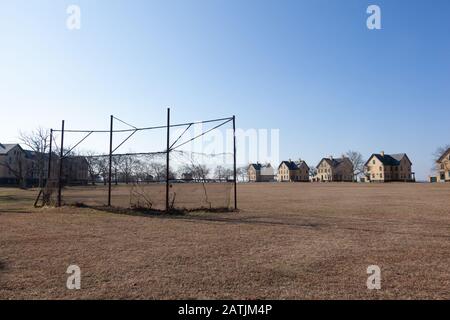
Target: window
(373, 161)
(381, 168)
(373, 175)
(381, 175)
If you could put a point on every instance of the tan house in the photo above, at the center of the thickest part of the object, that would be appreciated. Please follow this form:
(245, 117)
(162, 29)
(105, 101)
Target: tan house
(258, 172)
(334, 170)
(290, 171)
(13, 164)
(22, 167)
(383, 167)
(443, 167)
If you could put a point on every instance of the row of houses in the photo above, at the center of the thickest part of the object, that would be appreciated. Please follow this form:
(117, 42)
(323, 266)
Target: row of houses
(19, 166)
(380, 167)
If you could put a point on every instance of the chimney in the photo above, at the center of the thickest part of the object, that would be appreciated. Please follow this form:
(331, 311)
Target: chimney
(290, 160)
(382, 153)
(331, 157)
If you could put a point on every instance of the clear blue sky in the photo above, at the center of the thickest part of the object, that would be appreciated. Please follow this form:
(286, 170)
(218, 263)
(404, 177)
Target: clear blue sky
(310, 68)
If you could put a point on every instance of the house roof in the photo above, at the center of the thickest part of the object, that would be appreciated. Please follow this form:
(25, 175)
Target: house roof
(443, 155)
(290, 164)
(332, 161)
(299, 163)
(5, 148)
(257, 166)
(389, 159)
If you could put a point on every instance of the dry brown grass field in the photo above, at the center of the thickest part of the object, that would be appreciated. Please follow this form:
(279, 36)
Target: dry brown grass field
(289, 241)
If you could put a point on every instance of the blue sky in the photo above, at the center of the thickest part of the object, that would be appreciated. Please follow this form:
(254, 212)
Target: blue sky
(309, 68)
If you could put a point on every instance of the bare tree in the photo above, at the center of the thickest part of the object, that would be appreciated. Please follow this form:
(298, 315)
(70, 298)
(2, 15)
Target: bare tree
(158, 170)
(312, 172)
(357, 161)
(439, 152)
(197, 172)
(219, 172)
(242, 173)
(127, 167)
(437, 155)
(97, 166)
(38, 141)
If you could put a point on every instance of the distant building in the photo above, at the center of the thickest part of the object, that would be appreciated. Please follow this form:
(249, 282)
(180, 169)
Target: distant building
(13, 164)
(443, 167)
(383, 167)
(260, 172)
(334, 170)
(27, 168)
(293, 171)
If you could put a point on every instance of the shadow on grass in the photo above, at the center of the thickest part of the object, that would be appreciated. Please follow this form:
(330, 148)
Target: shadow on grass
(139, 211)
(186, 215)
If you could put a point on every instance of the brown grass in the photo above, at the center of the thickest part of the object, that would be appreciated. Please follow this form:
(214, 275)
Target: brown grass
(289, 241)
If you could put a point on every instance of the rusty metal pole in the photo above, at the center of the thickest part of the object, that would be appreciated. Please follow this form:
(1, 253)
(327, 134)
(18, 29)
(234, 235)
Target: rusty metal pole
(49, 165)
(110, 160)
(167, 161)
(61, 156)
(234, 163)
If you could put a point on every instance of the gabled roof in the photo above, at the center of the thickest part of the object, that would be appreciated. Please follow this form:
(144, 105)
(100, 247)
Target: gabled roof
(332, 162)
(290, 164)
(443, 155)
(5, 148)
(299, 163)
(256, 166)
(389, 159)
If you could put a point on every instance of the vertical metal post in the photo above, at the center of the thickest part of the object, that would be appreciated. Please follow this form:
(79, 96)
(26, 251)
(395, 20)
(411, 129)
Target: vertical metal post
(61, 156)
(234, 163)
(167, 160)
(49, 165)
(110, 160)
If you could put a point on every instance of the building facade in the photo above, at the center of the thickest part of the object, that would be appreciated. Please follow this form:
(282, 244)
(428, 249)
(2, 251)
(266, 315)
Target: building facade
(334, 170)
(28, 168)
(258, 172)
(293, 171)
(383, 167)
(443, 167)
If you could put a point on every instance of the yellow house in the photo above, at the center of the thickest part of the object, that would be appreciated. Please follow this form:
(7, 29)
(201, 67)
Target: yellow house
(258, 172)
(383, 167)
(290, 171)
(334, 170)
(443, 167)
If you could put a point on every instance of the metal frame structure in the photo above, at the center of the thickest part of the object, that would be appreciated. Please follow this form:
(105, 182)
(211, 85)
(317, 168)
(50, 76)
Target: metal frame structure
(169, 148)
